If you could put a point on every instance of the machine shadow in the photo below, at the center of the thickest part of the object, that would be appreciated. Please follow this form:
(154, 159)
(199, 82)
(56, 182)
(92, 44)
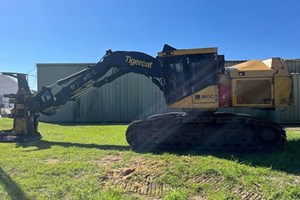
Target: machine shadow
(11, 187)
(43, 144)
(87, 123)
(286, 159)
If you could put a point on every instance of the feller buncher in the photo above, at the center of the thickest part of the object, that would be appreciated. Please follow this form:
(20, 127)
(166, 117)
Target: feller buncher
(194, 80)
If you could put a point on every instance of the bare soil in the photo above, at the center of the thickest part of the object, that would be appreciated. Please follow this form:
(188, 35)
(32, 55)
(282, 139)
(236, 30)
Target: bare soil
(141, 178)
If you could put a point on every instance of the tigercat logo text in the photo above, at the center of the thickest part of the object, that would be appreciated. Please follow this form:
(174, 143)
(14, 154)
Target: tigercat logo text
(142, 63)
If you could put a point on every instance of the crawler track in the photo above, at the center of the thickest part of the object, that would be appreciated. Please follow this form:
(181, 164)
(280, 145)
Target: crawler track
(214, 131)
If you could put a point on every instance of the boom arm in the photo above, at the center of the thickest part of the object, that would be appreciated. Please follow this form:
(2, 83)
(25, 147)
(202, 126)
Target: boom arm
(121, 62)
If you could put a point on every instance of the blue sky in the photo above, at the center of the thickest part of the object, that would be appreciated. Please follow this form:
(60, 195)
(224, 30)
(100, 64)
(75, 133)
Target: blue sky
(44, 31)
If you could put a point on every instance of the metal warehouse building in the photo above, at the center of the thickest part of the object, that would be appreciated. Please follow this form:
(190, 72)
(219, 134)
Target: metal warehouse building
(8, 85)
(134, 96)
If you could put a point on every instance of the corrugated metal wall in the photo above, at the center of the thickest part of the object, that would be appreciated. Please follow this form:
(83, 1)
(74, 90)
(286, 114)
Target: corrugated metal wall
(48, 74)
(128, 98)
(134, 96)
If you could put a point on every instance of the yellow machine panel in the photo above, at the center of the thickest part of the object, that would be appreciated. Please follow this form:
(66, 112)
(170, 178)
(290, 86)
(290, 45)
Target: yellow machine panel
(259, 68)
(283, 90)
(187, 102)
(189, 51)
(208, 95)
(256, 92)
(261, 83)
(207, 98)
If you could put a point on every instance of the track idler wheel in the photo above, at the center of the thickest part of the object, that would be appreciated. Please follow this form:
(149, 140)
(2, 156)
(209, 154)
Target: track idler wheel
(269, 137)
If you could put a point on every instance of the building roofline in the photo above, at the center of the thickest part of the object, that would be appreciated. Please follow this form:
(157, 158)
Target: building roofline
(9, 78)
(44, 64)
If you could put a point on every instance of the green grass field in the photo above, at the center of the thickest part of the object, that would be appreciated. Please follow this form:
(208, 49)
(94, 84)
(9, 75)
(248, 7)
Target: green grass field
(95, 162)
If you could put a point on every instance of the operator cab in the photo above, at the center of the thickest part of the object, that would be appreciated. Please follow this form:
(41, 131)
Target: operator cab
(188, 71)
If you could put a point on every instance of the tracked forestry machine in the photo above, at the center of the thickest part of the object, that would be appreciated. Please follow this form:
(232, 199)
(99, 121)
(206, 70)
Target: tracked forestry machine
(194, 80)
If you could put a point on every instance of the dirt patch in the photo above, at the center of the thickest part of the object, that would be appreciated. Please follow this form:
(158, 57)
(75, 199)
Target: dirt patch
(79, 175)
(141, 178)
(280, 182)
(244, 194)
(108, 161)
(198, 197)
(51, 160)
(112, 158)
(239, 191)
